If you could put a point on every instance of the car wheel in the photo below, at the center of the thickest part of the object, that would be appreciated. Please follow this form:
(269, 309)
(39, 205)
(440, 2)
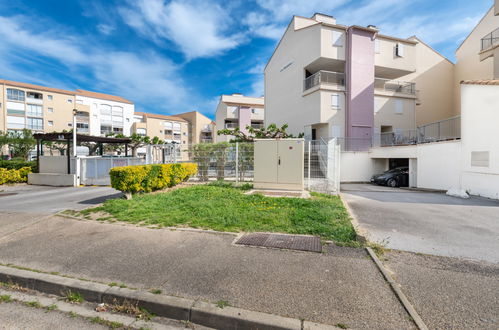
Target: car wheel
(392, 183)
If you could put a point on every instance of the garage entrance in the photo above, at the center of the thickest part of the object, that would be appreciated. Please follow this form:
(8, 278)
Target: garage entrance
(397, 162)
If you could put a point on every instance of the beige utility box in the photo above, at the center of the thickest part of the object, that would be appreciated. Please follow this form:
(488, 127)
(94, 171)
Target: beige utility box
(279, 164)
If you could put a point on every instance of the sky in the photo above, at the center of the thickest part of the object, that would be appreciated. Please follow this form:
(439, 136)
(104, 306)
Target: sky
(181, 55)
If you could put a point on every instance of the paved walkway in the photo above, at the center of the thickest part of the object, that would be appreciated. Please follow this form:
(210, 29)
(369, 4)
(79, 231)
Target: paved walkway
(427, 222)
(339, 286)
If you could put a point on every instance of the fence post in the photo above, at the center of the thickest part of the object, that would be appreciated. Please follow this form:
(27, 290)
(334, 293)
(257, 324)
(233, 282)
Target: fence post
(309, 165)
(237, 162)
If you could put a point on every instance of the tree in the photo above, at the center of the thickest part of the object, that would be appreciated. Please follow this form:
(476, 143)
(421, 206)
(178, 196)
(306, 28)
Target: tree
(4, 141)
(271, 132)
(21, 143)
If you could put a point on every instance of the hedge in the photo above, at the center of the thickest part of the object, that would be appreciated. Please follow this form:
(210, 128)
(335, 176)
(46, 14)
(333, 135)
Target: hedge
(147, 178)
(18, 164)
(14, 175)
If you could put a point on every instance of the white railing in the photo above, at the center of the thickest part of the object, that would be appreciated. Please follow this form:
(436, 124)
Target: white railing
(395, 86)
(447, 129)
(324, 77)
(95, 170)
(490, 39)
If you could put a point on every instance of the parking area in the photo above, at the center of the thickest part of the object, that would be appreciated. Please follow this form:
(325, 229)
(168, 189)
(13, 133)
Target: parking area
(427, 222)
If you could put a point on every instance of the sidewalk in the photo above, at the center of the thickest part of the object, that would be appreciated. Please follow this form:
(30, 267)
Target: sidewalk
(341, 285)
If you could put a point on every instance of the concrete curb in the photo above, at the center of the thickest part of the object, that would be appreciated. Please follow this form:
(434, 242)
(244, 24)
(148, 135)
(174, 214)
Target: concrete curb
(362, 234)
(195, 311)
(398, 292)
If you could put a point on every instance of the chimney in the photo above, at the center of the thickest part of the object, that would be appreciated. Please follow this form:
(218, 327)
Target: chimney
(324, 18)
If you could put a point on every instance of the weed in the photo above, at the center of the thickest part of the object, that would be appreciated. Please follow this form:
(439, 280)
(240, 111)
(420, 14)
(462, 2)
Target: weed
(342, 326)
(74, 297)
(130, 308)
(35, 304)
(73, 314)
(187, 324)
(155, 291)
(51, 307)
(5, 298)
(122, 285)
(110, 324)
(222, 303)
(113, 284)
(379, 248)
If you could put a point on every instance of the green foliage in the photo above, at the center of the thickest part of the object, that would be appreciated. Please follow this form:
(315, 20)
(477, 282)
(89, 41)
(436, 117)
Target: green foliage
(18, 164)
(271, 132)
(14, 176)
(147, 178)
(74, 297)
(21, 143)
(219, 206)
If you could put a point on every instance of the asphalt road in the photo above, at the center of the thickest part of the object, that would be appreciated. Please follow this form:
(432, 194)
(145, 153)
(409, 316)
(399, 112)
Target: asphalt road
(427, 222)
(46, 200)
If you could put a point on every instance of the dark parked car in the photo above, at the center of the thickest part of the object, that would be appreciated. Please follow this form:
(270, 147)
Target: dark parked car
(396, 177)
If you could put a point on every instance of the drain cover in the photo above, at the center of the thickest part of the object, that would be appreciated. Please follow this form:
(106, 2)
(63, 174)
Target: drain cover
(291, 242)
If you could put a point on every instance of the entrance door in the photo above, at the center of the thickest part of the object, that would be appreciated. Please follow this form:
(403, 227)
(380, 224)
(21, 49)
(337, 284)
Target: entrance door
(314, 134)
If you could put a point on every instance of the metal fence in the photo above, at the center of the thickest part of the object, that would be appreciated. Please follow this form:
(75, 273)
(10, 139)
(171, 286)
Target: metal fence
(448, 129)
(95, 170)
(322, 166)
(490, 39)
(324, 77)
(395, 86)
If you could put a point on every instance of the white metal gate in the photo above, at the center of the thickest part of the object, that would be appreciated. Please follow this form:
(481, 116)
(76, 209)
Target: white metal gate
(322, 165)
(95, 170)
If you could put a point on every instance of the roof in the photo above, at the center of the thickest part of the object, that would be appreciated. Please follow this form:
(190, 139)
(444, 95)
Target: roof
(102, 96)
(241, 99)
(158, 116)
(37, 87)
(55, 136)
(481, 82)
(63, 91)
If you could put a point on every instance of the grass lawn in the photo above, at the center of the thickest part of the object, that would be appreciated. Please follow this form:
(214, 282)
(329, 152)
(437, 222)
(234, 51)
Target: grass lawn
(225, 208)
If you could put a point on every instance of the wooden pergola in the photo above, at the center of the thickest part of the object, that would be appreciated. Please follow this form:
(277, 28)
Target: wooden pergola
(67, 137)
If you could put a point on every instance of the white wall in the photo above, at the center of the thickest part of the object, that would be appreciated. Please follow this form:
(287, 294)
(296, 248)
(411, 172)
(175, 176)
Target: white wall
(360, 167)
(438, 165)
(480, 133)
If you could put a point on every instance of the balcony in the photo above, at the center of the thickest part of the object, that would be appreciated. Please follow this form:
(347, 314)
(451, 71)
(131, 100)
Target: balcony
(230, 125)
(490, 40)
(206, 128)
(324, 77)
(257, 125)
(395, 86)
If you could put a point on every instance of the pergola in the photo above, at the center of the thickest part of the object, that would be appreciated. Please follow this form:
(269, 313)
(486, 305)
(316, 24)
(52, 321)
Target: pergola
(67, 137)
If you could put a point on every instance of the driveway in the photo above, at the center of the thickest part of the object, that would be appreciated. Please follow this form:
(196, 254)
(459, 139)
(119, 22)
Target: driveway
(47, 200)
(427, 222)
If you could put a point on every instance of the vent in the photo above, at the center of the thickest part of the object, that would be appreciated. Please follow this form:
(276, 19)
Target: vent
(480, 158)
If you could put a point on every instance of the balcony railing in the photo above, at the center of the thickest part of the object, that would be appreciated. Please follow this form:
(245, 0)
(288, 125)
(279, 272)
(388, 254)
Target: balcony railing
(257, 126)
(231, 125)
(395, 86)
(490, 39)
(447, 129)
(324, 77)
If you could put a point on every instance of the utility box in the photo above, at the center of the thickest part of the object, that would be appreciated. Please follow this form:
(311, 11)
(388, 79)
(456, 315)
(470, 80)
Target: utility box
(279, 164)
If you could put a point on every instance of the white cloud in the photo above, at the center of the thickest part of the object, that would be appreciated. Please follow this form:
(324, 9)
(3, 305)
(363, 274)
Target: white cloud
(197, 28)
(142, 77)
(284, 10)
(105, 28)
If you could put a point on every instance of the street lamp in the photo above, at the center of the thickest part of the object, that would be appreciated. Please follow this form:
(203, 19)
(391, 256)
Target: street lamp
(74, 132)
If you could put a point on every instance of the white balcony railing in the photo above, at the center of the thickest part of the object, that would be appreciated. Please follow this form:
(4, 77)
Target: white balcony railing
(324, 77)
(395, 86)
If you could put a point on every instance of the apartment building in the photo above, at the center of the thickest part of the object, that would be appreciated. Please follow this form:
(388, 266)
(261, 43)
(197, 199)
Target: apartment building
(201, 128)
(477, 58)
(168, 128)
(330, 80)
(237, 110)
(46, 109)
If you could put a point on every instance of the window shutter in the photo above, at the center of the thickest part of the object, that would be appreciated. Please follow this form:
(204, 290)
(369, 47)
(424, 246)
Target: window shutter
(399, 106)
(335, 101)
(376, 46)
(399, 50)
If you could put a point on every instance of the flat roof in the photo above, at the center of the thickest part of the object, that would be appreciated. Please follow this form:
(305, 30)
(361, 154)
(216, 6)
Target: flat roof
(158, 116)
(63, 136)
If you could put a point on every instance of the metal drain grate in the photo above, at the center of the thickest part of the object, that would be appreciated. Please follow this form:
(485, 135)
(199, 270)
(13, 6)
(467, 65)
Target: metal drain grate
(291, 242)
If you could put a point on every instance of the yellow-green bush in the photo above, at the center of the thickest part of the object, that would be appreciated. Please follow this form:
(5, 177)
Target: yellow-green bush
(147, 178)
(14, 176)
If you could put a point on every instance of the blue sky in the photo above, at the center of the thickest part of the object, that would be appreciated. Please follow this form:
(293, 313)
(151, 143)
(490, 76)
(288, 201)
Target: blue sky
(176, 56)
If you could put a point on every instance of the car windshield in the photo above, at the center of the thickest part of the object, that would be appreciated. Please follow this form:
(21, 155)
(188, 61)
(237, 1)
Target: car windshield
(398, 169)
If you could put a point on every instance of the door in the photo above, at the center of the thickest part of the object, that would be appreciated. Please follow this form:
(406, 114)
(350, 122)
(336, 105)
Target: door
(314, 134)
(290, 161)
(266, 161)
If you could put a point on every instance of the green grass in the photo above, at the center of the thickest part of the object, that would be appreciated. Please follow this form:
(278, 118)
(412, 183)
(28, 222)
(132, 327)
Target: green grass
(222, 303)
(74, 297)
(5, 298)
(225, 208)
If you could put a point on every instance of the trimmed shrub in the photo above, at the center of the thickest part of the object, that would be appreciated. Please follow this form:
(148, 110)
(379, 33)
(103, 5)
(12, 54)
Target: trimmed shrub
(14, 176)
(18, 164)
(147, 178)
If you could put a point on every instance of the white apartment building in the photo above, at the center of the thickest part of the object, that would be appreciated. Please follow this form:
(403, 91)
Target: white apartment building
(330, 80)
(237, 110)
(108, 113)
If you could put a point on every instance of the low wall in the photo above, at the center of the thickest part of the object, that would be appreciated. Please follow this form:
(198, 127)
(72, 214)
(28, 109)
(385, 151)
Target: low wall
(359, 166)
(481, 184)
(52, 179)
(439, 165)
(54, 164)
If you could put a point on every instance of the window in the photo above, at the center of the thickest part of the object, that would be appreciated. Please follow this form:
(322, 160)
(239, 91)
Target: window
(118, 130)
(337, 38)
(51, 123)
(34, 95)
(34, 123)
(70, 124)
(399, 106)
(51, 110)
(176, 126)
(168, 125)
(335, 101)
(50, 97)
(399, 50)
(82, 127)
(70, 101)
(141, 131)
(255, 111)
(15, 112)
(376, 46)
(105, 129)
(15, 94)
(34, 110)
